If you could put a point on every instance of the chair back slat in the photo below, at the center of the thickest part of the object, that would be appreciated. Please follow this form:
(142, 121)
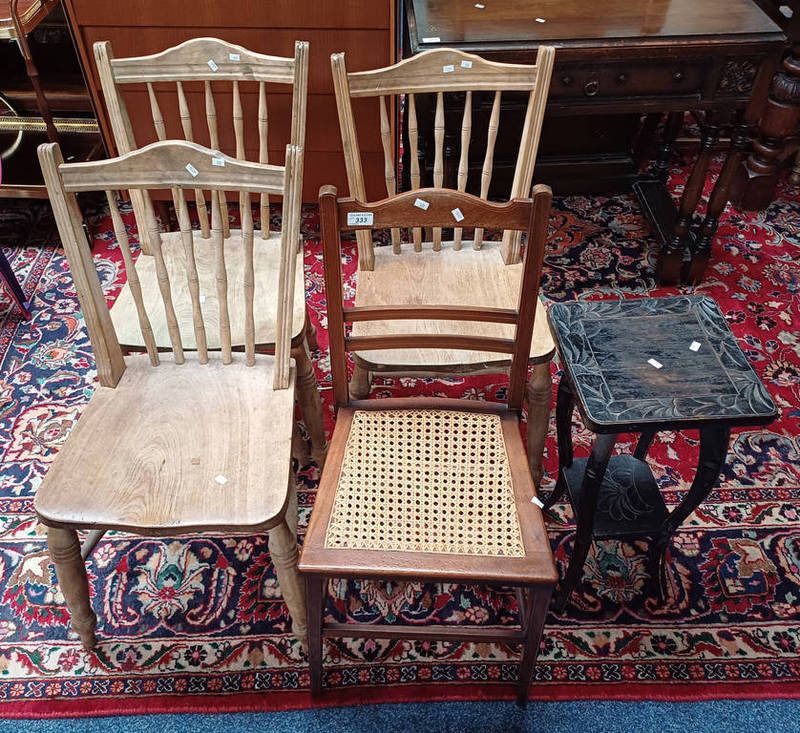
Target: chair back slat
(188, 134)
(218, 241)
(438, 162)
(202, 61)
(530, 216)
(192, 278)
(388, 165)
(463, 163)
(441, 72)
(180, 166)
(413, 139)
(133, 278)
(155, 110)
(263, 152)
(488, 160)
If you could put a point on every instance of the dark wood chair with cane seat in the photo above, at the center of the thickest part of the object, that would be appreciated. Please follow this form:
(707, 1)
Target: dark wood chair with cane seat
(437, 268)
(185, 442)
(426, 489)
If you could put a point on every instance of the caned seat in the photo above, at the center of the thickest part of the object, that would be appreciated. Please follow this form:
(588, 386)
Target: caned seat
(427, 489)
(193, 440)
(444, 268)
(179, 81)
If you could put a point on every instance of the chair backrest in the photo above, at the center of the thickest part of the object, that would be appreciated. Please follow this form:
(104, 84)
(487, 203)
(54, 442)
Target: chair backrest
(437, 72)
(175, 165)
(444, 207)
(204, 61)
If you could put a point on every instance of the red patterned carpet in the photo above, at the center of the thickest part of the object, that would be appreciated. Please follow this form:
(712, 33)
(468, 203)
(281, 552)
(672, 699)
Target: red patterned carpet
(198, 623)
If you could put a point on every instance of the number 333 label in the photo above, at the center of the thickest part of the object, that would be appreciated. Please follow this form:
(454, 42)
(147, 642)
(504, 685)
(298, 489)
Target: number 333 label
(359, 218)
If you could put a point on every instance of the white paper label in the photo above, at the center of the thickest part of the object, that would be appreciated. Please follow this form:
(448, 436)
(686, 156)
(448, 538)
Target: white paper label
(466, 64)
(422, 204)
(457, 215)
(234, 57)
(192, 170)
(536, 500)
(360, 218)
(447, 69)
(695, 346)
(541, 20)
(219, 162)
(220, 479)
(202, 298)
(654, 363)
(432, 39)
(479, 6)
(213, 65)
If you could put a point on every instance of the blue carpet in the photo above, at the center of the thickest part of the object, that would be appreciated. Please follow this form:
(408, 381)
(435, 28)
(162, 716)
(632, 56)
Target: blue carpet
(717, 716)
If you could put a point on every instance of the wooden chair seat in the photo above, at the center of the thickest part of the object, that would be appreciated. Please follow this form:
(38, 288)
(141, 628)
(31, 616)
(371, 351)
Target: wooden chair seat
(434, 490)
(159, 476)
(467, 277)
(266, 265)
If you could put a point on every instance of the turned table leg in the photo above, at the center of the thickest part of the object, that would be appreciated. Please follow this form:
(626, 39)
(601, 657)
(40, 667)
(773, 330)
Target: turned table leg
(65, 552)
(755, 184)
(670, 260)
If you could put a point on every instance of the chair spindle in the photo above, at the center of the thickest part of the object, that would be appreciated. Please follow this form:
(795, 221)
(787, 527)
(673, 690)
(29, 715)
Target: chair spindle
(463, 163)
(388, 165)
(413, 154)
(186, 123)
(263, 152)
(488, 160)
(213, 133)
(438, 162)
(217, 237)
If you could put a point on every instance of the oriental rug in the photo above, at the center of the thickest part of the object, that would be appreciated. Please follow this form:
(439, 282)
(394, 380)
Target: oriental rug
(198, 623)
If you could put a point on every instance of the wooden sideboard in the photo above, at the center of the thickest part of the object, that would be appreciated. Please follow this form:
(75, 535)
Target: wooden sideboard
(364, 30)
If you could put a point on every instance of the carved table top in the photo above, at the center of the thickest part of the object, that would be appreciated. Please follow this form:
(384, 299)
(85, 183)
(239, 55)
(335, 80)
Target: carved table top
(667, 362)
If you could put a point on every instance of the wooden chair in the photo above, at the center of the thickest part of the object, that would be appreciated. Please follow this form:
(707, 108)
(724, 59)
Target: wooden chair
(189, 442)
(207, 62)
(427, 489)
(384, 277)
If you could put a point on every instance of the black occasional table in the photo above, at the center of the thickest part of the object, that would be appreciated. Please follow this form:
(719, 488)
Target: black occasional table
(643, 366)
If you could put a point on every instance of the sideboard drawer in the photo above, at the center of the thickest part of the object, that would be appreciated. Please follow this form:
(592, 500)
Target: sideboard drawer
(630, 79)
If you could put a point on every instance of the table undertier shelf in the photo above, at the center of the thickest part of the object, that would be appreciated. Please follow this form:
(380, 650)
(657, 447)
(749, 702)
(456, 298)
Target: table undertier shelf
(629, 504)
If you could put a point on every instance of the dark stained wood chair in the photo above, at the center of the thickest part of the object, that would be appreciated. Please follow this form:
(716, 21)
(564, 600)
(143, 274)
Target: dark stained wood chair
(427, 489)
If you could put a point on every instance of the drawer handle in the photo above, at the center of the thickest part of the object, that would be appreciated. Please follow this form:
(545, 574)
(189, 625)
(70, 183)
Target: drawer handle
(677, 76)
(591, 88)
(566, 80)
(622, 78)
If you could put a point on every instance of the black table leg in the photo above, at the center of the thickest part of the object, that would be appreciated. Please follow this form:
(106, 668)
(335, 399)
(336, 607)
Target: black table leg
(10, 279)
(645, 439)
(713, 449)
(565, 403)
(584, 516)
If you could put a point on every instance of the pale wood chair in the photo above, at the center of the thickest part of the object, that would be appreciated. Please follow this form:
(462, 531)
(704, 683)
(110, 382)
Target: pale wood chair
(427, 489)
(437, 270)
(180, 443)
(172, 76)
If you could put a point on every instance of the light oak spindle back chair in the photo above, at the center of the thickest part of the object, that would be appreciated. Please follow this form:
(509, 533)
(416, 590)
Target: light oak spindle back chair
(427, 489)
(416, 277)
(173, 79)
(187, 442)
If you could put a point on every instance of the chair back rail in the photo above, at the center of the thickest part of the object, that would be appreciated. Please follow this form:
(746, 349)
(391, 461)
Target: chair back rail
(528, 215)
(179, 166)
(205, 60)
(441, 71)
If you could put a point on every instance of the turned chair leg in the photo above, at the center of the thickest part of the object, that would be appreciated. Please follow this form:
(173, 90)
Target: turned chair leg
(300, 450)
(361, 383)
(311, 335)
(283, 549)
(315, 594)
(65, 552)
(539, 395)
(310, 402)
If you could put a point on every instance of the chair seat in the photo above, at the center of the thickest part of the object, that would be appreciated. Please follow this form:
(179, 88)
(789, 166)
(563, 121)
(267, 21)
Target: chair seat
(438, 490)
(266, 265)
(465, 277)
(176, 448)
(30, 13)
